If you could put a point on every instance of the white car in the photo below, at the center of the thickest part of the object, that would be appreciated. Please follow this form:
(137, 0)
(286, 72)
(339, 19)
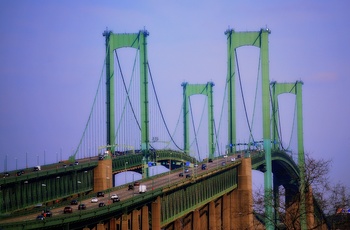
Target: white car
(94, 200)
(114, 196)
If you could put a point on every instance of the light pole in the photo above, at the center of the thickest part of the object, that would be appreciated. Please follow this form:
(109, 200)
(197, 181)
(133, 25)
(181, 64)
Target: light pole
(44, 186)
(125, 171)
(79, 182)
(108, 184)
(169, 170)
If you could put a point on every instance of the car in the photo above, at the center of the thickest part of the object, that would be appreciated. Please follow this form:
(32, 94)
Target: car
(6, 174)
(187, 170)
(113, 196)
(40, 217)
(115, 200)
(94, 200)
(210, 160)
(196, 165)
(81, 207)
(233, 159)
(74, 202)
(225, 156)
(101, 157)
(188, 175)
(76, 163)
(64, 166)
(100, 194)
(181, 174)
(238, 156)
(136, 183)
(37, 168)
(204, 166)
(130, 187)
(223, 163)
(19, 173)
(67, 209)
(101, 204)
(47, 213)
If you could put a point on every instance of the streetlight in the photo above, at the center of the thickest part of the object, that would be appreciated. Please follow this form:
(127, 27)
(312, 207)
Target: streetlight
(125, 171)
(79, 182)
(44, 186)
(108, 183)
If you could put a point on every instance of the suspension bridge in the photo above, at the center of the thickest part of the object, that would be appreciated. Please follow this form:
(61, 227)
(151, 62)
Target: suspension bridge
(127, 130)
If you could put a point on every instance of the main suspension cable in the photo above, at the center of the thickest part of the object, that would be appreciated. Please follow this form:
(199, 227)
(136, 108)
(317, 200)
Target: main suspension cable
(160, 109)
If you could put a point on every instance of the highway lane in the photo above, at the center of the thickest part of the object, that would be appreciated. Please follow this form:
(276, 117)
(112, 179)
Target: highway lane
(123, 193)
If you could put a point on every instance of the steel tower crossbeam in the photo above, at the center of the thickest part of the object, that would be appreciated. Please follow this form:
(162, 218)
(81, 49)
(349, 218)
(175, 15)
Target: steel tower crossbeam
(207, 90)
(137, 41)
(258, 39)
(294, 88)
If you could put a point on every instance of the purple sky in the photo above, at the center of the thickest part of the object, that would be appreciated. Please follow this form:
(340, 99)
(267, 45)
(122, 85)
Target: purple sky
(52, 52)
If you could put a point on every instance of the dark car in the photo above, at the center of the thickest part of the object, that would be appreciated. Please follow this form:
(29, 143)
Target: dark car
(130, 187)
(116, 200)
(81, 207)
(204, 166)
(19, 173)
(181, 174)
(6, 174)
(100, 194)
(40, 217)
(67, 210)
(210, 160)
(136, 183)
(101, 204)
(188, 175)
(74, 202)
(47, 213)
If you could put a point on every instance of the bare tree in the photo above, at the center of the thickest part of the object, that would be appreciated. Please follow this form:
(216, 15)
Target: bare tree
(320, 196)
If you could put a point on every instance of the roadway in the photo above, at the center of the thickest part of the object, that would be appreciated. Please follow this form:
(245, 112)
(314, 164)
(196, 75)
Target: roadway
(164, 180)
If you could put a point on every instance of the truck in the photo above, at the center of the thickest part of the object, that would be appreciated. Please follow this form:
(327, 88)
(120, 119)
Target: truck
(37, 168)
(142, 188)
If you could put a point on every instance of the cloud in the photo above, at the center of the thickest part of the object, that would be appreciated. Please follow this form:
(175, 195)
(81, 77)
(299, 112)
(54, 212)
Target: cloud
(325, 77)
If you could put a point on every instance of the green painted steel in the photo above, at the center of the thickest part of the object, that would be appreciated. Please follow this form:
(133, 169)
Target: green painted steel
(194, 193)
(293, 88)
(195, 89)
(31, 189)
(177, 203)
(258, 39)
(137, 41)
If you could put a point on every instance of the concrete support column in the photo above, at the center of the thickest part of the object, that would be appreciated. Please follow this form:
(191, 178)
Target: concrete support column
(212, 216)
(226, 212)
(178, 224)
(242, 198)
(135, 220)
(196, 223)
(112, 224)
(310, 217)
(144, 218)
(100, 227)
(103, 174)
(156, 217)
(125, 222)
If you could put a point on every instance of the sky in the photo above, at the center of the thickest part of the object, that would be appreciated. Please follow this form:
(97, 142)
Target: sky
(52, 53)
